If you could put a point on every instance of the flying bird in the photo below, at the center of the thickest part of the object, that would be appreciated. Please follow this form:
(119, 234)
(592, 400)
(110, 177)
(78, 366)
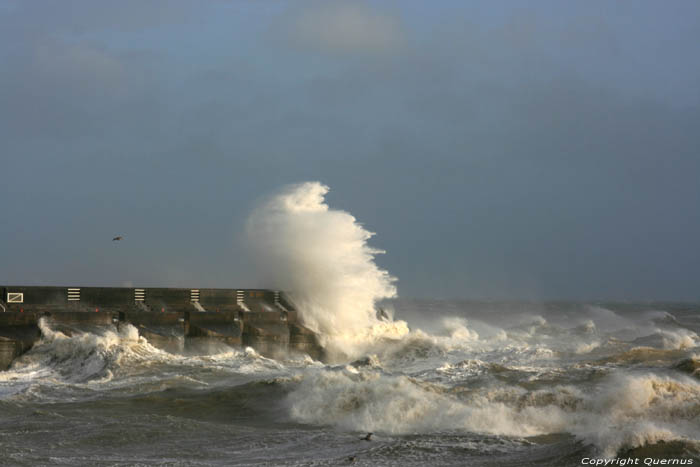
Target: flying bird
(117, 238)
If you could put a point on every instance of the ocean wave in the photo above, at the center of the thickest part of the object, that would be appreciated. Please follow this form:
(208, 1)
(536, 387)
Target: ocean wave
(679, 338)
(110, 359)
(622, 412)
(299, 243)
(690, 365)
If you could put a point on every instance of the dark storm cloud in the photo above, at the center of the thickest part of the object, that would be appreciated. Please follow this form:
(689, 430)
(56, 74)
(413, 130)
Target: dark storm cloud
(520, 151)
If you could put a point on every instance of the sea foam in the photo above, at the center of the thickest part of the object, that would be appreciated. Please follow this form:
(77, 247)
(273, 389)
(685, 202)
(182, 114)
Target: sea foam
(323, 257)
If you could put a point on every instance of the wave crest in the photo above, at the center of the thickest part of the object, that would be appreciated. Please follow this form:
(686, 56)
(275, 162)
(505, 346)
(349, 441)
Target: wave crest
(624, 412)
(322, 256)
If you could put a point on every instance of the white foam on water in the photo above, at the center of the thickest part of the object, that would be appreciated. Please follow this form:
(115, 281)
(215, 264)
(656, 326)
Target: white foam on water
(624, 411)
(83, 357)
(633, 410)
(109, 359)
(670, 339)
(370, 401)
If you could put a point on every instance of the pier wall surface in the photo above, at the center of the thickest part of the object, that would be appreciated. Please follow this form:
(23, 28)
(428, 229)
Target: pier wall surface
(174, 319)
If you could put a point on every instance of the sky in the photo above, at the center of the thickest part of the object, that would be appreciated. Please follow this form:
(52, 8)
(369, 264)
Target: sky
(533, 150)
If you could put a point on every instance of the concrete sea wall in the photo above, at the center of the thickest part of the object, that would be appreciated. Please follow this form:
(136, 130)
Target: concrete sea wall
(174, 319)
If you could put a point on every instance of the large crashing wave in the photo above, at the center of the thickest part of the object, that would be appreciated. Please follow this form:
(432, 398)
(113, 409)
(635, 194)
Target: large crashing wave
(60, 366)
(625, 411)
(322, 256)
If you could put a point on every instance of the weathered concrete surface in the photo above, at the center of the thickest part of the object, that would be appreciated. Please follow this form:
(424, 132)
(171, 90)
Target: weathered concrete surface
(266, 332)
(164, 300)
(18, 332)
(204, 328)
(223, 325)
(164, 330)
(171, 319)
(304, 340)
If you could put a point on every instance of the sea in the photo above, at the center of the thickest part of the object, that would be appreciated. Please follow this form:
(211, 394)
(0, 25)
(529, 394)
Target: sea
(467, 383)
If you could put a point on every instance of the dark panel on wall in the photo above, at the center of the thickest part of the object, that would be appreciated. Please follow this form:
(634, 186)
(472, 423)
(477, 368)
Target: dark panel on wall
(259, 294)
(158, 298)
(106, 296)
(262, 318)
(214, 297)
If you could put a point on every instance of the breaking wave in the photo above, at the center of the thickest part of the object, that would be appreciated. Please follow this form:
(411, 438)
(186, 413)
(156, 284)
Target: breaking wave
(322, 255)
(627, 382)
(111, 358)
(465, 375)
(80, 356)
(511, 375)
(623, 412)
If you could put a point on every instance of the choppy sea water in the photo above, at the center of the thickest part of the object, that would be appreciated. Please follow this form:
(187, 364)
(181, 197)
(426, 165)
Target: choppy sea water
(483, 384)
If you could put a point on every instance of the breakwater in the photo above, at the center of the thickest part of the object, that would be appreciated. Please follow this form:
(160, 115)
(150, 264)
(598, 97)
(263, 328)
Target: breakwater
(174, 319)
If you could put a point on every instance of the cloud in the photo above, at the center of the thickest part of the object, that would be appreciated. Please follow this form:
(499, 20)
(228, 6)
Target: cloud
(83, 16)
(72, 90)
(80, 65)
(341, 26)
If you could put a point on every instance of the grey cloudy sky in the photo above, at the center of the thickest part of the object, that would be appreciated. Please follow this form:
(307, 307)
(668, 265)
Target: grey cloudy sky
(511, 149)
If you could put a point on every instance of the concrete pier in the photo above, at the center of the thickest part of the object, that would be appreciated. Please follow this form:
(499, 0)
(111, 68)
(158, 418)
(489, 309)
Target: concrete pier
(18, 332)
(173, 319)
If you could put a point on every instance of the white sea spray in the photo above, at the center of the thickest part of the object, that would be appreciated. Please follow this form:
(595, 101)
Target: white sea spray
(322, 256)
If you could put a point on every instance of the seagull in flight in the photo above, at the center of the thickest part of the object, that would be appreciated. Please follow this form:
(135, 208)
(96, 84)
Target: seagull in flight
(117, 238)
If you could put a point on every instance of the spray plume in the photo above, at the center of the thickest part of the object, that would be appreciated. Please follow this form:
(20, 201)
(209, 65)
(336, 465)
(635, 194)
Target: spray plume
(322, 257)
